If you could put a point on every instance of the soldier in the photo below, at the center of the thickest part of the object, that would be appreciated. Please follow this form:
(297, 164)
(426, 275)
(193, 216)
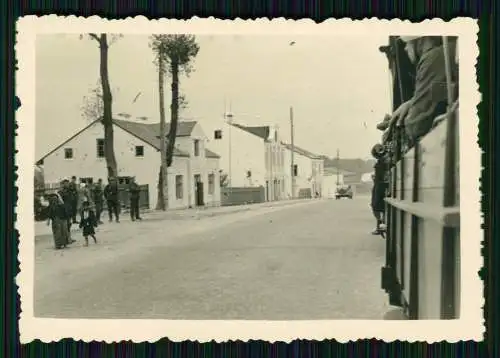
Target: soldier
(111, 195)
(73, 191)
(134, 191)
(98, 198)
(380, 185)
(430, 96)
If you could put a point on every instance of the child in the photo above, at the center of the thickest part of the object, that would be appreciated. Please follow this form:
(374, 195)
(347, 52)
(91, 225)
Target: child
(88, 222)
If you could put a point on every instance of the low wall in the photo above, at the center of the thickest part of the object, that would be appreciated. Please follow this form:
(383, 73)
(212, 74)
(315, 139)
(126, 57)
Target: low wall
(241, 196)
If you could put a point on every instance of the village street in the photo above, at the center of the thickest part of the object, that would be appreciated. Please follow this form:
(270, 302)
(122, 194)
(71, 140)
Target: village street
(313, 259)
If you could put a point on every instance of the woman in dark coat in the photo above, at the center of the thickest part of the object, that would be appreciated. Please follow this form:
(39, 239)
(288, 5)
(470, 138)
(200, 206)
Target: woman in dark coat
(58, 215)
(380, 185)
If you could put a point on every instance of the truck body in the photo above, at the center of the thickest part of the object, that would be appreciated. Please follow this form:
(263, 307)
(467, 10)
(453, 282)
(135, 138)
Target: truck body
(422, 261)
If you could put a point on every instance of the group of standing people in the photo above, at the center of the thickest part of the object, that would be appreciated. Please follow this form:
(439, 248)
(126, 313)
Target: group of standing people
(87, 200)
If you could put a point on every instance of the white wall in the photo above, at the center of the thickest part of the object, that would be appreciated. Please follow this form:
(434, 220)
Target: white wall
(304, 173)
(247, 153)
(85, 162)
(276, 170)
(213, 199)
(330, 185)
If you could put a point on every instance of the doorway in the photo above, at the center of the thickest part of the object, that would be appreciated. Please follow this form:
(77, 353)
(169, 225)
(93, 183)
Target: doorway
(198, 190)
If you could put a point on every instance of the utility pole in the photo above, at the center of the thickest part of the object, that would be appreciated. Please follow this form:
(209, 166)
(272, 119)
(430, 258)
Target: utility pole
(292, 153)
(338, 162)
(230, 124)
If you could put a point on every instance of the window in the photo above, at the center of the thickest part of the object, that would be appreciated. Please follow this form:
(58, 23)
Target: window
(87, 180)
(218, 134)
(68, 153)
(211, 184)
(100, 148)
(178, 187)
(295, 170)
(196, 148)
(123, 180)
(139, 151)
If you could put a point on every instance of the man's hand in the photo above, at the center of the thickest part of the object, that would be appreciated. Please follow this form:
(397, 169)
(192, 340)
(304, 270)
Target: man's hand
(401, 112)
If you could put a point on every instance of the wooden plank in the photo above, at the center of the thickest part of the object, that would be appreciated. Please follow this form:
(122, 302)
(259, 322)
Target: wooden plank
(432, 152)
(449, 217)
(407, 256)
(430, 271)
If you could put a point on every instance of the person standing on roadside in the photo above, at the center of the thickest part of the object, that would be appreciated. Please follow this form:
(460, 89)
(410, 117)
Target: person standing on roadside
(380, 186)
(111, 195)
(58, 217)
(67, 199)
(134, 191)
(97, 197)
(73, 191)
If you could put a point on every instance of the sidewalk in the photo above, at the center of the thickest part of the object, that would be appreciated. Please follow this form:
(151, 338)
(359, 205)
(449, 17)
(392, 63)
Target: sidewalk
(206, 212)
(42, 229)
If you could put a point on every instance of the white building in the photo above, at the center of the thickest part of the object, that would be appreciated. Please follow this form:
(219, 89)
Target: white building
(308, 170)
(137, 151)
(251, 156)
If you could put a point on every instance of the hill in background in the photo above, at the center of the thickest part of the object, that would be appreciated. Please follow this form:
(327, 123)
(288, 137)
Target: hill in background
(357, 166)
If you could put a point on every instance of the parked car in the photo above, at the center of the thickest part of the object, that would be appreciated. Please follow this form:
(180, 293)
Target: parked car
(344, 191)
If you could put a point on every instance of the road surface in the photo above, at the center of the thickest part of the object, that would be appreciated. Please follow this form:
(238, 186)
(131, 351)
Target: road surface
(307, 261)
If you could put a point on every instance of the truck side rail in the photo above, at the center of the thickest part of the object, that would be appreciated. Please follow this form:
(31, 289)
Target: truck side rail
(421, 273)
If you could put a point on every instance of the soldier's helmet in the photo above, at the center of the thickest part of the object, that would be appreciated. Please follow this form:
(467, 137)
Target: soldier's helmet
(378, 150)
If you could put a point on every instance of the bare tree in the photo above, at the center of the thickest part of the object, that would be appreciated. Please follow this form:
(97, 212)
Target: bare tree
(173, 55)
(107, 101)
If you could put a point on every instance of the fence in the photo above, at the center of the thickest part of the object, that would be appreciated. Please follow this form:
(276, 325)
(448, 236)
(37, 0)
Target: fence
(241, 196)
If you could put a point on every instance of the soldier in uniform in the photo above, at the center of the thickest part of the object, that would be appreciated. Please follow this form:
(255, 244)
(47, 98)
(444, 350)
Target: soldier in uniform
(380, 185)
(73, 191)
(134, 191)
(98, 198)
(112, 200)
(430, 96)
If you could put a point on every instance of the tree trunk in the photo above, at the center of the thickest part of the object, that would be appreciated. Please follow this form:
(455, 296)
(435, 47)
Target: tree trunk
(162, 180)
(107, 99)
(174, 112)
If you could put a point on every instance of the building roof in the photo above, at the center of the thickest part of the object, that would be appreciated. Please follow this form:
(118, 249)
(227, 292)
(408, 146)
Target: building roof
(148, 133)
(301, 151)
(210, 154)
(259, 131)
(184, 128)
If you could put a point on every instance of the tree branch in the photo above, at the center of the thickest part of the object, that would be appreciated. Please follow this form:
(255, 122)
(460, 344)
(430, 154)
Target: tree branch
(95, 37)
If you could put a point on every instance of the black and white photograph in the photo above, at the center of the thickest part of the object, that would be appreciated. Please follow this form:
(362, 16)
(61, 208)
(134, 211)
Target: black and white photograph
(212, 179)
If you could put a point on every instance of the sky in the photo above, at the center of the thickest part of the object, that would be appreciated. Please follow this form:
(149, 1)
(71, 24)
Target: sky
(338, 86)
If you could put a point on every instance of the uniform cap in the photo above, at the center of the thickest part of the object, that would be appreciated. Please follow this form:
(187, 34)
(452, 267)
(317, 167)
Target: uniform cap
(409, 38)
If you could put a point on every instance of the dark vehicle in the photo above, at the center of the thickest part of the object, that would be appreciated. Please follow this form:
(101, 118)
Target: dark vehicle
(344, 191)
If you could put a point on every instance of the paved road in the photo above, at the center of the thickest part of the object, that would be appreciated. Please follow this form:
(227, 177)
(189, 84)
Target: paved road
(315, 260)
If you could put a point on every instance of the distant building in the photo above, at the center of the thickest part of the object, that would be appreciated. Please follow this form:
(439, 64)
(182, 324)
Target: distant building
(252, 156)
(137, 151)
(308, 170)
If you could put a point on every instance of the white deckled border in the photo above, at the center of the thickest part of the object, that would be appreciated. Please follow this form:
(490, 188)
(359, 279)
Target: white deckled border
(469, 327)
